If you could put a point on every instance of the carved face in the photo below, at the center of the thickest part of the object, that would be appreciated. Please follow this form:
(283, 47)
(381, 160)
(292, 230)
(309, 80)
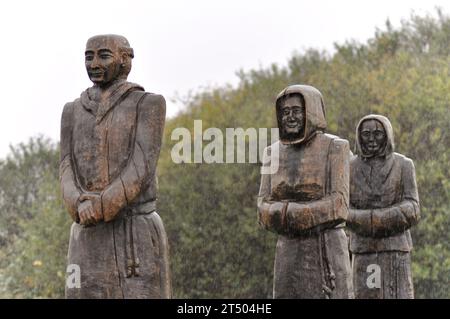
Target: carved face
(372, 137)
(103, 60)
(293, 116)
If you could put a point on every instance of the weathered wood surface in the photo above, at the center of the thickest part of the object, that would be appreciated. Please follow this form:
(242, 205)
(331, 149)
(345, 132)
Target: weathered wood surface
(306, 200)
(110, 143)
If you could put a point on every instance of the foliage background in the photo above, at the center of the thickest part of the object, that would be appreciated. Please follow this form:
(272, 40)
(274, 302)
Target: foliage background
(217, 250)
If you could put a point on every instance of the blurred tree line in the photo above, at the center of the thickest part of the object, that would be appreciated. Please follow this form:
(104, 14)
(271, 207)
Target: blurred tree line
(217, 249)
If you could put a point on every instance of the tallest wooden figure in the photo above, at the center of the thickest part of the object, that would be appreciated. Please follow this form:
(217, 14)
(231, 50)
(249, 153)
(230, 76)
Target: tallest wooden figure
(110, 143)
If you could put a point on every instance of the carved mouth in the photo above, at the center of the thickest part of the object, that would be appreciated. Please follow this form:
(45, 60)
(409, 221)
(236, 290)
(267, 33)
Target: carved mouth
(95, 72)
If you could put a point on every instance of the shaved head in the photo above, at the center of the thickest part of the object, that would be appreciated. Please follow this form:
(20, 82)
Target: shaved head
(111, 40)
(108, 58)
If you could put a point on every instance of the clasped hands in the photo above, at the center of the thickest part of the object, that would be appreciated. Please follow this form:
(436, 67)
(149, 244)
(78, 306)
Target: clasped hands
(378, 223)
(90, 209)
(286, 217)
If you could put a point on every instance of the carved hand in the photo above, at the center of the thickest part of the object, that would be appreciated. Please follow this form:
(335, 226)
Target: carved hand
(388, 221)
(272, 216)
(90, 209)
(299, 218)
(360, 221)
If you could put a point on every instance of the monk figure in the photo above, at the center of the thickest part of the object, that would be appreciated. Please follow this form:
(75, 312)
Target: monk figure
(110, 143)
(305, 201)
(384, 205)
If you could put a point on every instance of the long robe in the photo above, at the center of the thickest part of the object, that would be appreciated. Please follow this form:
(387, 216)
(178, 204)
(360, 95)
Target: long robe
(384, 204)
(111, 149)
(311, 184)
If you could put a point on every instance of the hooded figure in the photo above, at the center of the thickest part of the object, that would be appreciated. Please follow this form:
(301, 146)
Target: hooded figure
(110, 143)
(306, 200)
(384, 204)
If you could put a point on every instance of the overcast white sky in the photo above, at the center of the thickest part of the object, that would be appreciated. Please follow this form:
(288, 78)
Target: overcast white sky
(179, 46)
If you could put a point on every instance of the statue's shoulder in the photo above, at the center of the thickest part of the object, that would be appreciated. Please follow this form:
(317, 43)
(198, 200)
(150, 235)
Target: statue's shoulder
(404, 161)
(70, 106)
(336, 143)
(149, 101)
(271, 151)
(336, 140)
(355, 159)
(400, 157)
(273, 146)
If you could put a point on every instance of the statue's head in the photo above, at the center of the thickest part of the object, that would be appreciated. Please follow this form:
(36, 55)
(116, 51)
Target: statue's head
(300, 113)
(292, 110)
(372, 137)
(108, 58)
(375, 136)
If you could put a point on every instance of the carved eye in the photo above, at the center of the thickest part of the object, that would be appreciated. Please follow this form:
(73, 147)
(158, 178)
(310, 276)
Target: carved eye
(89, 57)
(379, 134)
(365, 134)
(105, 56)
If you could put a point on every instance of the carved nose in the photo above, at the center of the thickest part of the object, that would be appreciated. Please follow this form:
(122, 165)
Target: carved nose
(94, 63)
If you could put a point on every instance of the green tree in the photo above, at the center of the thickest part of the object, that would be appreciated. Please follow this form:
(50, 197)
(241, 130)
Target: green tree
(21, 175)
(37, 263)
(33, 222)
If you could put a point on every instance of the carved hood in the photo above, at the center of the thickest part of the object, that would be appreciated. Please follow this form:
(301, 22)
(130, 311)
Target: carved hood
(389, 148)
(314, 109)
(115, 93)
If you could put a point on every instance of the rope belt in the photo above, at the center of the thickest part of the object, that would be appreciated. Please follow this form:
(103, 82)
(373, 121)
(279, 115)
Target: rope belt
(131, 252)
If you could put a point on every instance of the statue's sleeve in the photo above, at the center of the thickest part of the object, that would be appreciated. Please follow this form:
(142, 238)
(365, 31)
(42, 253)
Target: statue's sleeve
(142, 164)
(395, 219)
(270, 213)
(360, 221)
(332, 209)
(69, 186)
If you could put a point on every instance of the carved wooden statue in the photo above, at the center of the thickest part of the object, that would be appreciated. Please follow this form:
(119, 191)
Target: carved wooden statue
(305, 201)
(384, 204)
(110, 143)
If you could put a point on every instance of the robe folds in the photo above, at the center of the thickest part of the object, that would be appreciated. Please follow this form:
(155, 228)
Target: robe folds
(305, 202)
(384, 205)
(110, 149)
